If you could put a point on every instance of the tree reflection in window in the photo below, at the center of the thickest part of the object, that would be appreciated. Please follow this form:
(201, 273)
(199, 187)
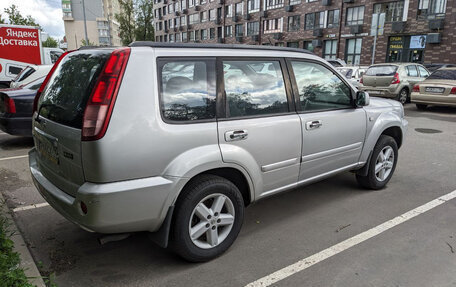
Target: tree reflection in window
(254, 88)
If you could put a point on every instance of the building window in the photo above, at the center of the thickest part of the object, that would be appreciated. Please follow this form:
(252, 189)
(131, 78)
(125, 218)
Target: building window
(273, 4)
(184, 36)
(204, 34)
(176, 6)
(239, 30)
(253, 28)
(253, 6)
(355, 15)
(279, 44)
(353, 53)
(228, 10)
(183, 20)
(171, 8)
(295, 2)
(171, 23)
(315, 20)
(294, 23)
(192, 36)
(193, 19)
(176, 22)
(431, 8)
(212, 33)
(171, 38)
(293, 44)
(239, 8)
(333, 18)
(394, 11)
(203, 16)
(165, 38)
(203, 2)
(178, 37)
(164, 10)
(212, 14)
(228, 31)
(273, 25)
(191, 3)
(308, 45)
(183, 4)
(330, 49)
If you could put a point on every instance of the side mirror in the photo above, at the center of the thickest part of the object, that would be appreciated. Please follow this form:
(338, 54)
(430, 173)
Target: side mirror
(362, 99)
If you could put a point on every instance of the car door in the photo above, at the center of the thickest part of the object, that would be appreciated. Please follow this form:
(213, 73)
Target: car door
(333, 129)
(412, 75)
(423, 72)
(258, 125)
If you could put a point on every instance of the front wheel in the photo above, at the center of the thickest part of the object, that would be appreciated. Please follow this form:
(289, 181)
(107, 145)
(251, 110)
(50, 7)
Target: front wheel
(208, 218)
(382, 164)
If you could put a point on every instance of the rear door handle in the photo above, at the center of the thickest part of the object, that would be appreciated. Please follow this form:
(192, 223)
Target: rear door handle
(313, 125)
(237, 135)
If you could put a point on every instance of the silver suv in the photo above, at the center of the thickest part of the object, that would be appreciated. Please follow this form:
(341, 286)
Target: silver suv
(393, 80)
(179, 139)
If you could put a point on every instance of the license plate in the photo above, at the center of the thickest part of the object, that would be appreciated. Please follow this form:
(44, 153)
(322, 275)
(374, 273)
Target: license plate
(435, 90)
(48, 149)
(375, 92)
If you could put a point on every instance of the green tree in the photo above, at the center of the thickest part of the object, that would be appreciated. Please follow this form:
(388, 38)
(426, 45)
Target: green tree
(144, 30)
(83, 43)
(15, 17)
(2, 21)
(50, 43)
(126, 19)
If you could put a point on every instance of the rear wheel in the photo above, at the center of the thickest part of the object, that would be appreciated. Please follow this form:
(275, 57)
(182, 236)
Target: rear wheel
(421, 107)
(208, 218)
(403, 96)
(382, 164)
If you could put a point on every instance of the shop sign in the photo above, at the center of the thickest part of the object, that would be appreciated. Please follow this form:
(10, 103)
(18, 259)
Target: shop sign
(396, 43)
(418, 42)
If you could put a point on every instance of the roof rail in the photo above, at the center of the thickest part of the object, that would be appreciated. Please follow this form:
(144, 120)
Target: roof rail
(216, 46)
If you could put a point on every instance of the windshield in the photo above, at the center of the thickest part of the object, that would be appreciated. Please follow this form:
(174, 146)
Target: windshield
(443, 75)
(386, 70)
(24, 74)
(68, 90)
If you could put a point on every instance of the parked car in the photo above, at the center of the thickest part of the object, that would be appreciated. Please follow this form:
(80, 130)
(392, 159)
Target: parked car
(393, 80)
(122, 147)
(337, 62)
(353, 74)
(439, 89)
(435, 66)
(16, 108)
(30, 74)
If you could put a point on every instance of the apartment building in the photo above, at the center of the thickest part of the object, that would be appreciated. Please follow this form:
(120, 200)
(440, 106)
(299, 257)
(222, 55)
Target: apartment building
(415, 30)
(102, 28)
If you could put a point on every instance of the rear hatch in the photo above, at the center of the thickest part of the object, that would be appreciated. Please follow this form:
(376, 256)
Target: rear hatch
(60, 110)
(379, 76)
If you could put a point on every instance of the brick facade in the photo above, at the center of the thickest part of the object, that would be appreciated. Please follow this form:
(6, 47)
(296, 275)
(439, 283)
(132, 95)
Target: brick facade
(442, 52)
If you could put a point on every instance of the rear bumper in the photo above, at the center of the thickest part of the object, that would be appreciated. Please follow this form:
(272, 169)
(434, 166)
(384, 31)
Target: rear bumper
(20, 126)
(437, 100)
(380, 92)
(126, 206)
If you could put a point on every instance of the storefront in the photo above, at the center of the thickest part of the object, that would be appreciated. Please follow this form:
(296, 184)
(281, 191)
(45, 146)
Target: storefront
(406, 48)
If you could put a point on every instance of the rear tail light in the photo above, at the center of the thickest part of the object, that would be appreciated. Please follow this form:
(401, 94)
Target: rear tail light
(453, 91)
(416, 88)
(10, 106)
(101, 102)
(46, 80)
(396, 79)
(361, 80)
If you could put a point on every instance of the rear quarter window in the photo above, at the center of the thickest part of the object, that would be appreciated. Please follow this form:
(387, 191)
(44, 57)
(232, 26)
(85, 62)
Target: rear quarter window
(386, 70)
(443, 75)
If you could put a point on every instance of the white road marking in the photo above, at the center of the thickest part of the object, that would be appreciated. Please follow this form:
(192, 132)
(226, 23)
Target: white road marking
(14, 157)
(348, 243)
(32, 206)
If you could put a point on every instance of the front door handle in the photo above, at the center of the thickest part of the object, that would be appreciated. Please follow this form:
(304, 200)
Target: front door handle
(313, 125)
(237, 135)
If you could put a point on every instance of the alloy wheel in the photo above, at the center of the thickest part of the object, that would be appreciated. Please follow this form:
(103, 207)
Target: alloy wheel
(384, 163)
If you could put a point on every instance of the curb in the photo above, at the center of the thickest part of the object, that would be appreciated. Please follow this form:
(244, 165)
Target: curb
(27, 262)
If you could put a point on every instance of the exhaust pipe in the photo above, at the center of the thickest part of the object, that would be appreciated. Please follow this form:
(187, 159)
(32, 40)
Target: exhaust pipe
(113, 237)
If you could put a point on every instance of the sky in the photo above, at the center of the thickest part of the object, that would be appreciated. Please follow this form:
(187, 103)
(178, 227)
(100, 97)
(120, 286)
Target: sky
(47, 13)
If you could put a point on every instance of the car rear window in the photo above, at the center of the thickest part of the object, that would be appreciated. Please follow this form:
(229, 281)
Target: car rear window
(385, 70)
(443, 75)
(347, 72)
(65, 96)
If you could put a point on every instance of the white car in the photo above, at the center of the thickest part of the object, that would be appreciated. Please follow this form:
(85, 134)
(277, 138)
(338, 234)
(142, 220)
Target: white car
(30, 74)
(353, 74)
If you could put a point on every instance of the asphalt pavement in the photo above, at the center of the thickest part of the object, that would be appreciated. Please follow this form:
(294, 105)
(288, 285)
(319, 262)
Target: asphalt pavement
(277, 231)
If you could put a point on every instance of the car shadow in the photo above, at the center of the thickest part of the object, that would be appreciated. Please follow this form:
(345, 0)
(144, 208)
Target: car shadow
(432, 112)
(13, 142)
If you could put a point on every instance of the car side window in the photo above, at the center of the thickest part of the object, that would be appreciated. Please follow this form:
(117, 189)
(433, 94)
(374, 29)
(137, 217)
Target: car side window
(319, 88)
(411, 71)
(423, 72)
(187, 89)
(254, 88)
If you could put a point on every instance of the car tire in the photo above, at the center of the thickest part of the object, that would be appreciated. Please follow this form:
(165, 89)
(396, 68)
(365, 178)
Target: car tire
(382, 164)
(213, 234)
(403, 96)
(421, 107)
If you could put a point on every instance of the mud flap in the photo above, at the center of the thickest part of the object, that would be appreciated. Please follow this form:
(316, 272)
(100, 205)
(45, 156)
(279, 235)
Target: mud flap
(161, 236)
